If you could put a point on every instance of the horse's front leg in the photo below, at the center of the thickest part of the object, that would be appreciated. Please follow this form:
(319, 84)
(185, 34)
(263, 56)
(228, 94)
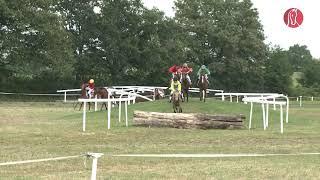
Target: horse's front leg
(187, 96)
(80, 106)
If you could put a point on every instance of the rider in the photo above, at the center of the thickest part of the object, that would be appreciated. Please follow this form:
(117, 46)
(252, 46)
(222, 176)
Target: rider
(175, 86)
(91, 88)
(186, 70)
(174, 70)
(203, 71)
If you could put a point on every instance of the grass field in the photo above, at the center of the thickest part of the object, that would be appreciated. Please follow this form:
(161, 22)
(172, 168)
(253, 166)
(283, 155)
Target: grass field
(34, 130)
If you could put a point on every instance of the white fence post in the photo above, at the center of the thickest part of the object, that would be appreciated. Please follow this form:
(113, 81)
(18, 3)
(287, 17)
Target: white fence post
(281, 118)
(263, 116)
(267, 115)
(126, 112)
(250, 119)
(109, 113)
(95, 104)
(300, 97)
(84, 117)
(120, 109)
(65, 96)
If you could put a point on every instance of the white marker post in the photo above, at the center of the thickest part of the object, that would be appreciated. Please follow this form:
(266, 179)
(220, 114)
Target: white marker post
(95, 157)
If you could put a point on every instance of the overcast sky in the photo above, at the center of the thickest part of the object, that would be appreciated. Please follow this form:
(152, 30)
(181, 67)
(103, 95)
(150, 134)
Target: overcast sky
(271, 16)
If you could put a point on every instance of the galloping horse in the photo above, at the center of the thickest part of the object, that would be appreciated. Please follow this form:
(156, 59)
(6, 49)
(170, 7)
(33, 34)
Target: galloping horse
(176, 102)
(102, 93)
(84, 95)
(203, 86)
(185, 85)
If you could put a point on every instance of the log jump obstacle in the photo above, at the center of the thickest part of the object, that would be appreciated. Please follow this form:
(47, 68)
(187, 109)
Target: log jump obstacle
(187, 120)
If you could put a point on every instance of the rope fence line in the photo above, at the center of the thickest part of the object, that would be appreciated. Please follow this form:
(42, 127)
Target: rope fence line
(209, 155)
(94, 157)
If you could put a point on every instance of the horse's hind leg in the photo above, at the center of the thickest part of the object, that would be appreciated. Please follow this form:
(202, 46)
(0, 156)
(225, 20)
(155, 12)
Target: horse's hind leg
(187, 96)
(80, 106)
(75, 105)
(105, 105)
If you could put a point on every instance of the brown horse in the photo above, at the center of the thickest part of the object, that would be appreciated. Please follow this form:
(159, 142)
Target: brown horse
(176, 102)
(185, 85)
(84, 95)
(203, 86)
(102, 93)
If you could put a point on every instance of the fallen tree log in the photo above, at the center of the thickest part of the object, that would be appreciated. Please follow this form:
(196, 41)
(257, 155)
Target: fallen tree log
(187, 121)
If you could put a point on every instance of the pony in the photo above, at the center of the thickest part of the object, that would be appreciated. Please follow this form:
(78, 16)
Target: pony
(203, 86)
(185, 85)
(176, 102)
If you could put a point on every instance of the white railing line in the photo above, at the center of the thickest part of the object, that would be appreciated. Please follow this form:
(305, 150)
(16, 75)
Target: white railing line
(29, 94)
(68, 90)
(246, 94)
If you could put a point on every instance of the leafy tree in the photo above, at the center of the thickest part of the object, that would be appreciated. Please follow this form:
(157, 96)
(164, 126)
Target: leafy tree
(34, 47)
(278, 72)
(228, 37)
(299, 57)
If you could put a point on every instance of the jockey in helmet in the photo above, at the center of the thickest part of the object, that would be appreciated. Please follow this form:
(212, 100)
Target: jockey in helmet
(186, 70)
(90, 88)
(203, 71)
(175, 86)
(174, 70)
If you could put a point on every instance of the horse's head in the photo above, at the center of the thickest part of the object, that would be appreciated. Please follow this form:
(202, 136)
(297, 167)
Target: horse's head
(159, 93)
(84, 86)
(203, 83)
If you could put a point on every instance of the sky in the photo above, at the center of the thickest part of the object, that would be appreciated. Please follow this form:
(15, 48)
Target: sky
(271, 14)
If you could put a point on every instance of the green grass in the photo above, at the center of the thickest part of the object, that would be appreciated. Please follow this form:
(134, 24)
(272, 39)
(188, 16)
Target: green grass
(42, 130)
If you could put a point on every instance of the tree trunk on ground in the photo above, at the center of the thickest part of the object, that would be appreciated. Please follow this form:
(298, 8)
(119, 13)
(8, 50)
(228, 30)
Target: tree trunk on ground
(187, 121)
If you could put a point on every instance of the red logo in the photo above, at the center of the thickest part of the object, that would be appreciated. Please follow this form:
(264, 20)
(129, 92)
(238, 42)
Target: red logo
(293, 17)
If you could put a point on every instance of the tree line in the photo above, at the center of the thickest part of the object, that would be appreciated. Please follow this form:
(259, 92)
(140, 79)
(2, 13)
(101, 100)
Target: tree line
(53, 44)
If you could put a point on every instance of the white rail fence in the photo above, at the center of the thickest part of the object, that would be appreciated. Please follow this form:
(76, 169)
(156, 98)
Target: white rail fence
(137, 90)
(129, 97)
(265, 99)
(265, 102)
